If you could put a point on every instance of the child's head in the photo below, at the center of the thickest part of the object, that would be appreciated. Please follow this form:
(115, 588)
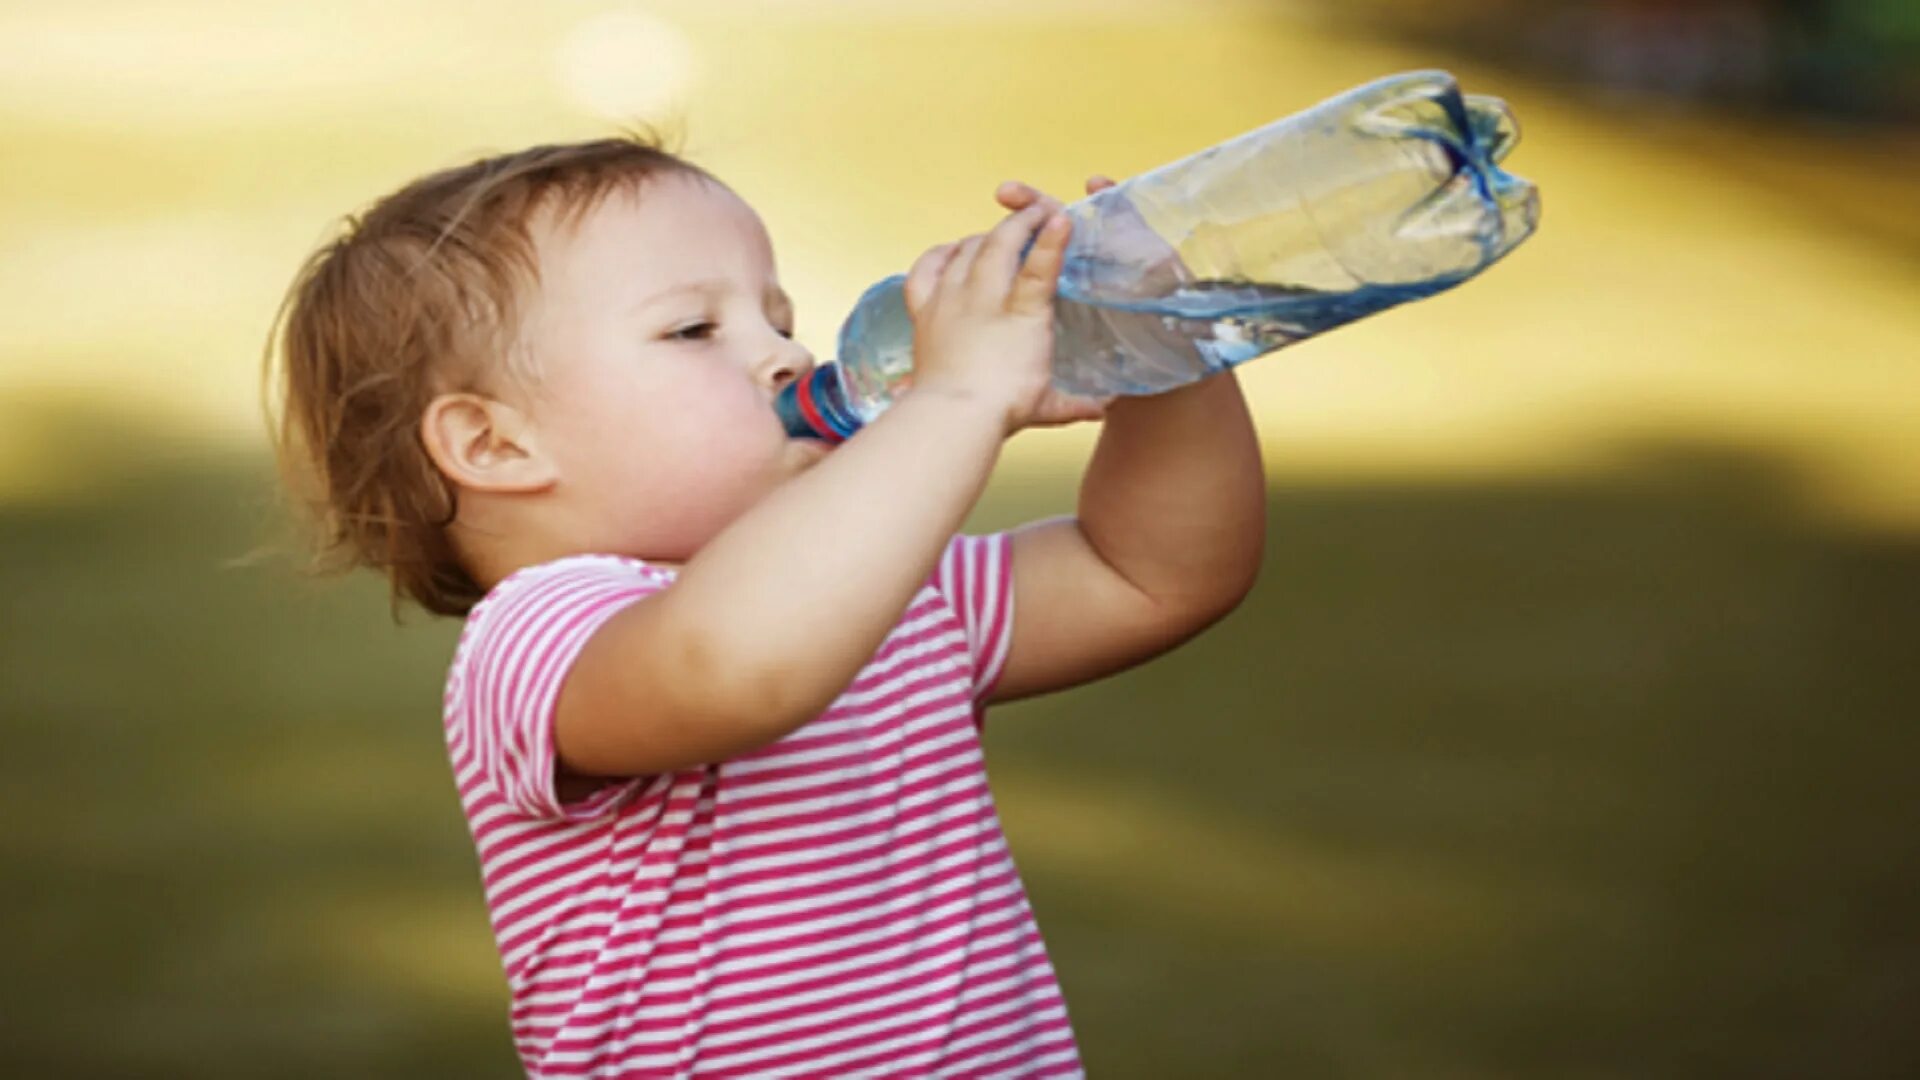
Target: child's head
(568, 349)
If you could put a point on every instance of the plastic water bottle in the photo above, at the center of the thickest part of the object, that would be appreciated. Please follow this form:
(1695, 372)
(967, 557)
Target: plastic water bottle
(1387, 193)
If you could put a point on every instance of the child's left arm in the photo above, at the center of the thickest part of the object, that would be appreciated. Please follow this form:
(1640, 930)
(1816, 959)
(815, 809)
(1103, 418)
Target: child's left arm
(1168, 539)
(1171, 525)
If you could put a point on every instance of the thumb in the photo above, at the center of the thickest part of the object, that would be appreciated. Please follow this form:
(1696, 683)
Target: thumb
(1039, 275)
(1057, 408)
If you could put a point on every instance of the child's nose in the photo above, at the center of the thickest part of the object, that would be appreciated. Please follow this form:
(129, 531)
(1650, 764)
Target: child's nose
(787, 363)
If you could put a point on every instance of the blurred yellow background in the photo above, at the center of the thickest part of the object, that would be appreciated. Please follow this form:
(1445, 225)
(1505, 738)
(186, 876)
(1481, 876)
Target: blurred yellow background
(1582, 649)
(170, 161)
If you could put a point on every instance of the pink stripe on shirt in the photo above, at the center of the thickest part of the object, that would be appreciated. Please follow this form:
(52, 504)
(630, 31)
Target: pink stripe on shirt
(838, 903)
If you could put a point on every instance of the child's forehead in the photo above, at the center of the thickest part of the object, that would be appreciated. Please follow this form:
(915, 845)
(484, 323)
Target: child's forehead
(664, 221)
(636, 244)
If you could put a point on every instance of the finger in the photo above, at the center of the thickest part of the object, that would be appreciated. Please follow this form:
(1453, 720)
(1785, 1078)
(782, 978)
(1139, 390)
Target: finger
(1034, 286)
(1098, 183)
(956, 272)
(1000, 255)
(1015, 195)
(925, 273)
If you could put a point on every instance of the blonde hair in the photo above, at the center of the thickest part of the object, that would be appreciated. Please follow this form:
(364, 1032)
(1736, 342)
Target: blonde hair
(417, 296)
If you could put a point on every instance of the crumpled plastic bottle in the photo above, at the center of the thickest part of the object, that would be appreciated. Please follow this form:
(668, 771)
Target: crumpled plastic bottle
(1388, 193)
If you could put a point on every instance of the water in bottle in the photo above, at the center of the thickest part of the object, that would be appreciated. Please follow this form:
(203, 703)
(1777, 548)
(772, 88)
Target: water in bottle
(1388, 193)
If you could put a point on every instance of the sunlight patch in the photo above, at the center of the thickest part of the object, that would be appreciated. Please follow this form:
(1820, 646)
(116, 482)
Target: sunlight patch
(626, 65)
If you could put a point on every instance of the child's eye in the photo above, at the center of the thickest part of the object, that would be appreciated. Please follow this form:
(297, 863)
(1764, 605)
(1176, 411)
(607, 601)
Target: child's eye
(699, 331)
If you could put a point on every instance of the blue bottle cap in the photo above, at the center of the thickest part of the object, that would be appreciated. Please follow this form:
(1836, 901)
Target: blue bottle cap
(814, 406)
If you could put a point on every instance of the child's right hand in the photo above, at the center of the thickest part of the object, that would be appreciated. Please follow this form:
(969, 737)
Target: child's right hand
(983, 319)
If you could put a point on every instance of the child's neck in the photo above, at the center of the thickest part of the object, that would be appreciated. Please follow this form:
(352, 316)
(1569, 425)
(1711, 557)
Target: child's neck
(499, 557)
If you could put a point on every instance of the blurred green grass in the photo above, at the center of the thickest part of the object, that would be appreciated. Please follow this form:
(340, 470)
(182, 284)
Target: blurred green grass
(1602, 777)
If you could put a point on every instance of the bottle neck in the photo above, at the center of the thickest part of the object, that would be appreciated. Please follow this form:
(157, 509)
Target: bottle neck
(815, 406)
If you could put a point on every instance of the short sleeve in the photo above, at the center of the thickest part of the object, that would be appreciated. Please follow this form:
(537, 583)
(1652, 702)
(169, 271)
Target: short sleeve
(975, 575)
(515, 653)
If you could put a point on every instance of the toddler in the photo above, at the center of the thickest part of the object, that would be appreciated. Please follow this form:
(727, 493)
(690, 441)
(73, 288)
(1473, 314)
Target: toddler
(715, 713)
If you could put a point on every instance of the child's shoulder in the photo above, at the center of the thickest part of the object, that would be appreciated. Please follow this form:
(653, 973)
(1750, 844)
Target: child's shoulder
(560, 589)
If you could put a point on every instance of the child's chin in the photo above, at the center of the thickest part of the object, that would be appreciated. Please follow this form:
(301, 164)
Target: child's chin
(804, 451)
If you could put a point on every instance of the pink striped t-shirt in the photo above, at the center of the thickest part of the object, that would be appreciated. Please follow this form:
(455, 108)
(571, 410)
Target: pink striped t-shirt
(840, 903)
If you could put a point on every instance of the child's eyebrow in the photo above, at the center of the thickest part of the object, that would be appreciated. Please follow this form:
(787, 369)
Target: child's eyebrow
(775, 296)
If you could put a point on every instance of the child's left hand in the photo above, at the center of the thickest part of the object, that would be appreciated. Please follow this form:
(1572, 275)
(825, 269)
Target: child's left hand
(1055, 408)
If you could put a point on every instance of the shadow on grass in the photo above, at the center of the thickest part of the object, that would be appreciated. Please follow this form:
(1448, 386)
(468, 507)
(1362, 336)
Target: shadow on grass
(1585, 778)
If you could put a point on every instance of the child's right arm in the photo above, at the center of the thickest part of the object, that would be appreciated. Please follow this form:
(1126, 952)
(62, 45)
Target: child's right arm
(772, 619)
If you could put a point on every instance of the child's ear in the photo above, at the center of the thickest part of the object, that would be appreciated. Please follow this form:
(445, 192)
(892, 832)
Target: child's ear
(482, 444)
